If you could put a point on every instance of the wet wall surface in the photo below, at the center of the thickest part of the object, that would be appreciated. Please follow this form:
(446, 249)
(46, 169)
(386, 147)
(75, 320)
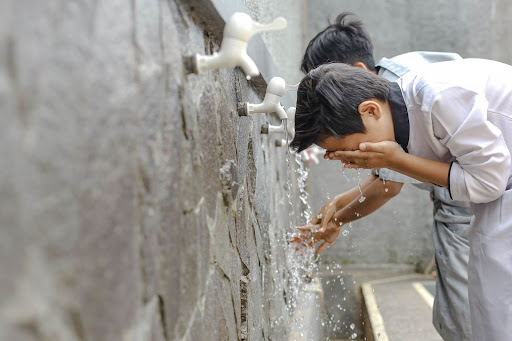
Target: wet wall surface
(135, 203)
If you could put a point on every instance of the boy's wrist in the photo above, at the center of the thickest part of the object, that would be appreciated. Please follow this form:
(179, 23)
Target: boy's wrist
(399, 161)
(336, 201)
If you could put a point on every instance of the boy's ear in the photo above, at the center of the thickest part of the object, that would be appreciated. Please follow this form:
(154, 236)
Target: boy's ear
(370, 108)
(361, 65)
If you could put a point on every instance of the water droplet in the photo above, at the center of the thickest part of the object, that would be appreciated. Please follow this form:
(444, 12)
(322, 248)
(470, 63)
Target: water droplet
(248, 77)
(319, 216)
(362, 198)
(345, 233)
(352, 326)
(353, 336)
(386, 189)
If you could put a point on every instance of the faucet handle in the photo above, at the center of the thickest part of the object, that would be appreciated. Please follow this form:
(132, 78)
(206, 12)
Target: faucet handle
(278, 86)
(278, 24)
(289, 87)
(241, 26)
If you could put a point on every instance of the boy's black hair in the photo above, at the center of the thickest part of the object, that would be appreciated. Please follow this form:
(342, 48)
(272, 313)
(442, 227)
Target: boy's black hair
(328, 99)
(344, 41)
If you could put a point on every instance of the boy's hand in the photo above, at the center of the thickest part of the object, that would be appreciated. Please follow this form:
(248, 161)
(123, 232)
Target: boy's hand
(311, 234)
(369, 156)
(325, 214)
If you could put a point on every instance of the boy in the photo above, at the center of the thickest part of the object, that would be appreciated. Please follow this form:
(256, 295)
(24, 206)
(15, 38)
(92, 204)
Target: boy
(453, 121)
(347, 41)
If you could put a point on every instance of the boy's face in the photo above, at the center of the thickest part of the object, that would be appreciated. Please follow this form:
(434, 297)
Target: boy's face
(347, 143)
(378, 123)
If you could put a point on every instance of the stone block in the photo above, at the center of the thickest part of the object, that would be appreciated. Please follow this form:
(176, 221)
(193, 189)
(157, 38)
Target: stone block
(137, 200)
(148, 326)
(213, 317)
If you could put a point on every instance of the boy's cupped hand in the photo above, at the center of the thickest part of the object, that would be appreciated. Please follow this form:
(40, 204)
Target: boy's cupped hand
(310, 234)
(371, 155)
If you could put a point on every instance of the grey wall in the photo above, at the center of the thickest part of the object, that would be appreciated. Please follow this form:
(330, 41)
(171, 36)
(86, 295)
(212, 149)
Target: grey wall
(286, 46)
(135, 204)
(400, 231)
(472, 28)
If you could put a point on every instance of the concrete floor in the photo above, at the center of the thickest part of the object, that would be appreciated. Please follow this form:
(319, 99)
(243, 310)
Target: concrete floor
(406, 313)
(405, 306)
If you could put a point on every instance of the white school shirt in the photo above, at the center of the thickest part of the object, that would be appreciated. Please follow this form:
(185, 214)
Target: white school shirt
(394, 68)
(459, 112)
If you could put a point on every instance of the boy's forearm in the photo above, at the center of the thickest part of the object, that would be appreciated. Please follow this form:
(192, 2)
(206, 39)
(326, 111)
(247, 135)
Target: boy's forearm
(344, 199)
(425, 170)
(376, 194)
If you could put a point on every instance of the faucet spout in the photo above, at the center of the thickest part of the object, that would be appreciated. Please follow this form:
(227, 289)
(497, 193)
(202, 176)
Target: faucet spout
(287, 124)
(281, 113)
(248, 65)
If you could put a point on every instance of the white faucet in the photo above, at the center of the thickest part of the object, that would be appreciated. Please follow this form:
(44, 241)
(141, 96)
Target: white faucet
(290, 125)
(271, 103)
(281, 143)
(238, 31)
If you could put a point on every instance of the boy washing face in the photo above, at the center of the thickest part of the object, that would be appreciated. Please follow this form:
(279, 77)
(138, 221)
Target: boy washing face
(347, 41)
(453, 121)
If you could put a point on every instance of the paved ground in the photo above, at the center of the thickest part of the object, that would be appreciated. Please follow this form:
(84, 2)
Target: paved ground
(402, 298)
(342, 293)
(405, 305)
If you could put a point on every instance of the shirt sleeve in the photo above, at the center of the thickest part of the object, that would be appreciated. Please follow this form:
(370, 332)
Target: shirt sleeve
(390, 175)
(479, 172)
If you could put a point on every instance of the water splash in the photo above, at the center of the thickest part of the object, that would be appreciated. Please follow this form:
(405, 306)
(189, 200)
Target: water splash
(362, 198)
(288, 172)
(301, 182)
(344, 174)
(300, 260)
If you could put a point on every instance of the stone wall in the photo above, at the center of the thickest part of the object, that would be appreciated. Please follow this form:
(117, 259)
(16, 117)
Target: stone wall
(135, 203)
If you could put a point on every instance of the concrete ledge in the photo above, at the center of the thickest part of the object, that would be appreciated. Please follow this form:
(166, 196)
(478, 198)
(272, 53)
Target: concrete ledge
(306, 322)
(373, 323)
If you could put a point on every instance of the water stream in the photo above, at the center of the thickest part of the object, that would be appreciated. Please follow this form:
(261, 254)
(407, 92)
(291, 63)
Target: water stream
(300, 260)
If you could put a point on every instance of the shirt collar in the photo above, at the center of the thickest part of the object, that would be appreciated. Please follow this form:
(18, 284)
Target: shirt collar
(393, 66)
(400, 115)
